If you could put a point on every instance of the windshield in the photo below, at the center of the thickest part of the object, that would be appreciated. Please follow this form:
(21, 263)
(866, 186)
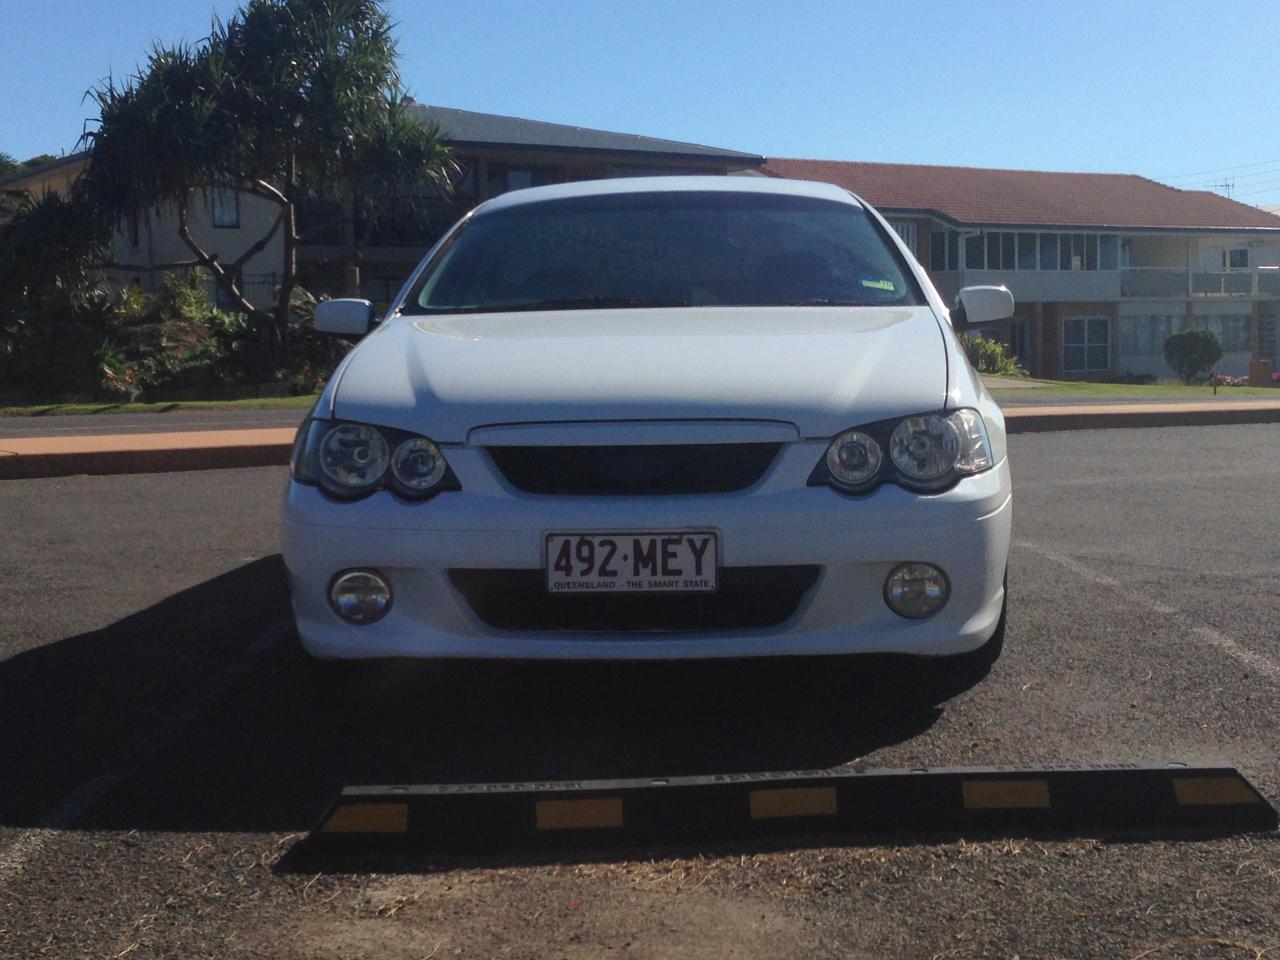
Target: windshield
(666, 249)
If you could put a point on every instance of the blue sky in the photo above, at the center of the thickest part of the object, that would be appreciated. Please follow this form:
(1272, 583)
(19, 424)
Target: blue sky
(1181, 91)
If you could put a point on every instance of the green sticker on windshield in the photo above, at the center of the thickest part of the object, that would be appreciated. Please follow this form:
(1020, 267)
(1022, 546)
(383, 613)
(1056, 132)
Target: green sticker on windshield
(878, 284)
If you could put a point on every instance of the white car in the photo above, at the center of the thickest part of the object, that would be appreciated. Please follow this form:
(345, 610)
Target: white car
(655, 418)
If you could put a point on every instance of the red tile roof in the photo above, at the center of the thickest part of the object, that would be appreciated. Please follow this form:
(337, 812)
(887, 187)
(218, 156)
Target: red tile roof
(975, 195)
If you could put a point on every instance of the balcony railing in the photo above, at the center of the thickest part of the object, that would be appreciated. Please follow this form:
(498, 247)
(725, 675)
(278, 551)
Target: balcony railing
(1105, 285)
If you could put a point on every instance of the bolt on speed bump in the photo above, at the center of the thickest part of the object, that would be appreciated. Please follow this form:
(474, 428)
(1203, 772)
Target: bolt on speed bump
(489, 817)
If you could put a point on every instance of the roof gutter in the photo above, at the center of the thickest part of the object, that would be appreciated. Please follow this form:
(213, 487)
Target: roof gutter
(1095, 227)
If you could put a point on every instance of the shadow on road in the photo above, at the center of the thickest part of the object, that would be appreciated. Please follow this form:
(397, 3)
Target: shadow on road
(204, 734)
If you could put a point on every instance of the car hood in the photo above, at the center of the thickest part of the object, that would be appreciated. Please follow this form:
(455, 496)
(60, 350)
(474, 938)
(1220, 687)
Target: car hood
(823, 369)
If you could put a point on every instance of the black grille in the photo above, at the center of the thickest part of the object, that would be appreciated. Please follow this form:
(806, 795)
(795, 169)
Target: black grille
(635, 471)
(748, 597)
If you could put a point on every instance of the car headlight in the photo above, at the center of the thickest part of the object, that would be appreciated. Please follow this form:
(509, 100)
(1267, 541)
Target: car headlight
(853, 459)
(928, 452)
(418, 464)
(351, 460)
(353, 457)
(931, 451)
(925, 449)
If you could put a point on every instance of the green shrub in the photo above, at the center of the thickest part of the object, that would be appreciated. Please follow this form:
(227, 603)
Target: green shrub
(990, 356)
(1192, 353)
(65, 330)
(52, 298)
(174, 337)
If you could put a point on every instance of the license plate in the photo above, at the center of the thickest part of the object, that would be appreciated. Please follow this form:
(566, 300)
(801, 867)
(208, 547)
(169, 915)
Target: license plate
(682, 561)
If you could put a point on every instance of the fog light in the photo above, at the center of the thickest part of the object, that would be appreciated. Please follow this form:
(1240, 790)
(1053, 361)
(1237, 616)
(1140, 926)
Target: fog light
(916, 590)
(360, 596)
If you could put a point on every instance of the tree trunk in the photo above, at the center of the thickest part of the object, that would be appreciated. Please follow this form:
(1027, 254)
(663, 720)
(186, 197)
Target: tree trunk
(352, 237)
(288, 281)
(290, 278)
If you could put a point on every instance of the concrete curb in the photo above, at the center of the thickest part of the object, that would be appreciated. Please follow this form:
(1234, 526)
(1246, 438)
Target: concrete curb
(29, 458)
(1045, 419)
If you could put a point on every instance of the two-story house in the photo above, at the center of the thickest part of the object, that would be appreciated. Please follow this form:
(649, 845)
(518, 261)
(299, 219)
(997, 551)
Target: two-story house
(1103, 266)
(494, 154)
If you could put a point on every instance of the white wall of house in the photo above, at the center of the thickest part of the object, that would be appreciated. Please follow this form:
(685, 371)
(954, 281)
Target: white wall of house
(1214, 252)
(227, 224)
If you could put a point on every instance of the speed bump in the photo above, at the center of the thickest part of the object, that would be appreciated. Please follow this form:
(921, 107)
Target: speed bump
(488, 817)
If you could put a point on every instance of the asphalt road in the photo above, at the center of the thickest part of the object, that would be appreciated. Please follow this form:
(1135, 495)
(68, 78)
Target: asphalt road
(163, 744)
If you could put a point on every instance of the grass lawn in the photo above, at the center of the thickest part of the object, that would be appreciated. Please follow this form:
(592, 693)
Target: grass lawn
(82, 409)
(1028, 391)
(1036, 390)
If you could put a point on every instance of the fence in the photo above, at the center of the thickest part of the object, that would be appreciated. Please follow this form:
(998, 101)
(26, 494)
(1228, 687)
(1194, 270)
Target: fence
(260, 289)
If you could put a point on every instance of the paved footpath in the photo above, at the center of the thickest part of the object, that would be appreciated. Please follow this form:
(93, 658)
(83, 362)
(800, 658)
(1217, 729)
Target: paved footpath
(171, 421)
(32, 447)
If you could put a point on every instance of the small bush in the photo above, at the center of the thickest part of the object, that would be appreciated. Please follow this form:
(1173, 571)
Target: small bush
(174, 337)
(990, 356)
(1192, 353)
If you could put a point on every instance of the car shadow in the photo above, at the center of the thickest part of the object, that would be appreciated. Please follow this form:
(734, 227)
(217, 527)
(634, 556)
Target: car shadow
(202, 714)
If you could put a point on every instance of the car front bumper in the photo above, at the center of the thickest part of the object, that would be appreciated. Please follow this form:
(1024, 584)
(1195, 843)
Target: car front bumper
(854, 542)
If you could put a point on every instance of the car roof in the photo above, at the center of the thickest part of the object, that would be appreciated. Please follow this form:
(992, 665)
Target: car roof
(774, 186)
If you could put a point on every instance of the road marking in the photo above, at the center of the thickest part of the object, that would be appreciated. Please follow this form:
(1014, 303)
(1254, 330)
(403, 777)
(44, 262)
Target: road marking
(28, 844)
(1255, 661)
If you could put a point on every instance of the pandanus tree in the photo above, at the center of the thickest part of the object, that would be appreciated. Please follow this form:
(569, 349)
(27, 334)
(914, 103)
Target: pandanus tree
(286, 100)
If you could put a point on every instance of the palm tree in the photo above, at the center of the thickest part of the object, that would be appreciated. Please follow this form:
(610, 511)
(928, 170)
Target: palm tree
(285, 100)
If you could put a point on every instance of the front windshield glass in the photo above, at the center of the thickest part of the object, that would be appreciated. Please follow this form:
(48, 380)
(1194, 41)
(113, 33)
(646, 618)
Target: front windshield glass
(666, 249)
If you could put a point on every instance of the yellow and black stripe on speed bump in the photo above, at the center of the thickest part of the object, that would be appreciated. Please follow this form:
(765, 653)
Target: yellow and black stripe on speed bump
(499, 816)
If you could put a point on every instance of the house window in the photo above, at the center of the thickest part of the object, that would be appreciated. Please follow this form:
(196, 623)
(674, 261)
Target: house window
(993, 251)
(1048, 251)
(907, 231)
(503, 177)
(974, 252)
(1086, 344)
(944, 250)
(937, 250)
(1232, 331)
(1026, 251)
(1238, 259)
(224, 203)
(1146, 335)
(1107, 251)
(135, 233)
(1002, 250)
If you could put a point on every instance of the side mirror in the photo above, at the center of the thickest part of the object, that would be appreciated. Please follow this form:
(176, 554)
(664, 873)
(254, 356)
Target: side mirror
(978, 305)
(345, 318)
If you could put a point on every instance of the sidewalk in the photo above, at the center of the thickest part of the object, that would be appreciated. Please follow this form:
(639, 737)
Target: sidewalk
(28, 457)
